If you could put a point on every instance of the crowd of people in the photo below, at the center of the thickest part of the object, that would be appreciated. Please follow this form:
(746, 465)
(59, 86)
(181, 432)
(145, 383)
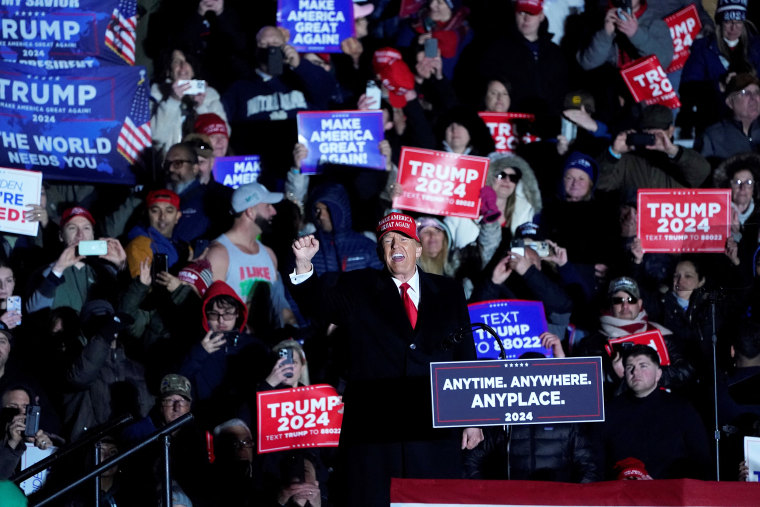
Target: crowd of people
(191, 289)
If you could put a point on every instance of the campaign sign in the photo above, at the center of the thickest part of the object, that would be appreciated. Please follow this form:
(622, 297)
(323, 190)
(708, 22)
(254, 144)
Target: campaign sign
(235, 171)
(648, 83)
(503, 130)
(300, 417)
(68, 34)
(651, 339)
(18, 189)
(316, 25)
(684, 27)
(32, 456)
(440, 183)
(518, 391)
(752, 457)
(684, 220)
(74, 126)
(341, 137)
(518, 323)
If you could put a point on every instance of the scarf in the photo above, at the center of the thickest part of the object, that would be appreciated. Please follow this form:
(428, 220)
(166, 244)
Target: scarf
(615, 327)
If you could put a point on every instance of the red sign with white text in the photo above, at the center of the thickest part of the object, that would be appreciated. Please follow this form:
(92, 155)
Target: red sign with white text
(440, 183)
(503, 130)
(684, 27)
(652, 339)
(648, 83)
(297, 418)
(684, 220)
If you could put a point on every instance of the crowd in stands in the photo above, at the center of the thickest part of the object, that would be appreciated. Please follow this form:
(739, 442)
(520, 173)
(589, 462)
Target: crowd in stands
(188, 304)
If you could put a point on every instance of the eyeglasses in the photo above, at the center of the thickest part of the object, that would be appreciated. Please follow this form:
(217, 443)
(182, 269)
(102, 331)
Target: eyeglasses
(748, 93)
(513, 177)
(738, 183)
(243, 444)
(176, 163)
(630, 300)
(224, 316)
(175, 403)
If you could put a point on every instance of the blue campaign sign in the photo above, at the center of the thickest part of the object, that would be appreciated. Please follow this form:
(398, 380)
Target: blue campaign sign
(518, 391)
(72, 126)
(341, 137)
(68, 34)
(518, 323)
(235, 171)
(317, 25)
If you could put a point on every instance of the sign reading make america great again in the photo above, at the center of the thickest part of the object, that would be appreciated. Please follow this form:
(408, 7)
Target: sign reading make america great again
(518, 391)
(68, 34)
(71, 126)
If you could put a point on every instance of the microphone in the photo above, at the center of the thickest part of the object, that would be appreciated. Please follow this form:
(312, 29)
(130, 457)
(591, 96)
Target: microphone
(459, 334)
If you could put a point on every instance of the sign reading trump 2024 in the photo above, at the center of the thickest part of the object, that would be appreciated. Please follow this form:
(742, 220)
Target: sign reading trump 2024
(341, 137)
(316, 25)
(684, 220)
(18, 189)
(518, 323)
(235, 171)
(520, 391)
(440, 183)
(297, 418)
(74, 127)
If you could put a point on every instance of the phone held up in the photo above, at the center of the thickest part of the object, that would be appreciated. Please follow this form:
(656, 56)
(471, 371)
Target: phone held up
(287, 353)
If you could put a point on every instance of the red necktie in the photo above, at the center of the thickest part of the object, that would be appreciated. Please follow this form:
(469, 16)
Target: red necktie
(411, 310)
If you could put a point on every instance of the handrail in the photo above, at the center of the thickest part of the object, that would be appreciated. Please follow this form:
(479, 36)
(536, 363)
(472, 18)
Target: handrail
(88, 438)
(166, 430)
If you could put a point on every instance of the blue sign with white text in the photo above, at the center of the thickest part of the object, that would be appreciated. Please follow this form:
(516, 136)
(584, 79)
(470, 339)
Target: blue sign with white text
(518, 323)
(317, 25)
(235, 171)
(341, 137)
(68, 34)
(519, 391)
(74, 127)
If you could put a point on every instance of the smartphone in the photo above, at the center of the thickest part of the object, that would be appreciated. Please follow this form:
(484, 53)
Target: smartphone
(96, 247)
(569, 130)
(640, 139)
(160, 263)
(13, 304)
(540, 247)
(287, 353)
(518, 250)
(32, 420)
(622, 14)
(196, 86)
(274, 61)
(373, 92)
(431, 47)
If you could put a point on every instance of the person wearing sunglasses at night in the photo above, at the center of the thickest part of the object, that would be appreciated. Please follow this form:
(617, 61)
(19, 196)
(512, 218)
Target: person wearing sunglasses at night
(626, 316)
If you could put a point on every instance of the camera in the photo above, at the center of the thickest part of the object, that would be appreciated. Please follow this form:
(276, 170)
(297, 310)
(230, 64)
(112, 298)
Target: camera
(95, 247)
(640, 139)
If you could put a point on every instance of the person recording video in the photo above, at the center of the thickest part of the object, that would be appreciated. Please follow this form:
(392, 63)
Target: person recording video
(19, 420)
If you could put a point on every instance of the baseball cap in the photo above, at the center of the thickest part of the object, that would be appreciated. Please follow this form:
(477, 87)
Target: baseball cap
(198, 274)
(624, 284)
(4, 329)
(210, 124)
(251, 194)
(530, 6)
(582, 162)
(163, 195)
(394, 74)
(740, 82)
(656, 116)
(174, 383)
(397, 222)
(76, 211)
(731, 10)
(363, 9)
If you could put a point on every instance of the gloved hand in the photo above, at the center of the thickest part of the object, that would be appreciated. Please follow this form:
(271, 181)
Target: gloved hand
(488, 209)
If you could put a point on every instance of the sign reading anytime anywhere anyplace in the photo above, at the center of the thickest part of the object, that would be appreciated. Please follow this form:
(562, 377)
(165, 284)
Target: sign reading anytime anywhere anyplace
(300, 417)
(518, 323)
(684, 27)
(235, 171)
(341, 137)
(440, 183)
(648, 83)
(752, 457)
(503, 130)
(18, 189)
(652, 339)
(684, 220)
(316, 25)
(520, 391)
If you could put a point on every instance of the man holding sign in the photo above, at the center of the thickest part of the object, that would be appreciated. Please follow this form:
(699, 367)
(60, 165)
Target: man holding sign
(399, 320)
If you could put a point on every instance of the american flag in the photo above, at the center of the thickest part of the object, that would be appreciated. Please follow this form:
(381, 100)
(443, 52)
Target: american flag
(135, 133)
(120, 34)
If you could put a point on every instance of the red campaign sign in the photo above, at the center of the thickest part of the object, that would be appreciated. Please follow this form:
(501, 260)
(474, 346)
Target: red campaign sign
(409, 7)
(502, 128)
(300, 417)
(684, 220)
(648, 83)
(684, 27)
(652, 339)
(440, 183)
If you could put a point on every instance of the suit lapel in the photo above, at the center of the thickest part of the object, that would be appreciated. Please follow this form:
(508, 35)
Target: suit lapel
(388, 297)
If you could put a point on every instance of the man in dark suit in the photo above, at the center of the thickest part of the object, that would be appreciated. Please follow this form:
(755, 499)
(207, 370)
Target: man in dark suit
(399, 320)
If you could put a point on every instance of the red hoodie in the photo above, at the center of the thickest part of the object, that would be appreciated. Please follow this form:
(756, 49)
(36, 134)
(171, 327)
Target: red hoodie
(220, 288)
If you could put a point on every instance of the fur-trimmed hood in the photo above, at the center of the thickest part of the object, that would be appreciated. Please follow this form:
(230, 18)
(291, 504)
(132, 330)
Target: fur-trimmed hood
(527, 187)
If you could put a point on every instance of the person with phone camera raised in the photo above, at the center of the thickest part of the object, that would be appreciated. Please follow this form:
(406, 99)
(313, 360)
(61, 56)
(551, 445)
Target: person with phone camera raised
(18, 429)
(647, 157)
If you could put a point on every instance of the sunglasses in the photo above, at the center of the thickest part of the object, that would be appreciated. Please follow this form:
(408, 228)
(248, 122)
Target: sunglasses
(514, 178)
(630, 300)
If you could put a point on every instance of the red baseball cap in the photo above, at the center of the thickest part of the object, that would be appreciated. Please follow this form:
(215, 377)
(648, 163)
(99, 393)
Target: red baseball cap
(394, 74)
(76, 211)
(533, 7)
(163, 195)
(210, 123)
(397, 222)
